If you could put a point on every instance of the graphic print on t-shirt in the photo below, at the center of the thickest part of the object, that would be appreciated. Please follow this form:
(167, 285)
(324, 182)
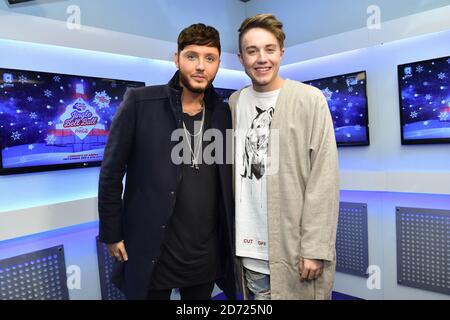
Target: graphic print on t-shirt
(256, 144)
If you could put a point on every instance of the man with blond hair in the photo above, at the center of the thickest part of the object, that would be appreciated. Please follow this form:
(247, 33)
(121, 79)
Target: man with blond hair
(286, 174)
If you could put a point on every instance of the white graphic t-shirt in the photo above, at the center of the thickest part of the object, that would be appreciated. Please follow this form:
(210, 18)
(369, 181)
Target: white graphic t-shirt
(254, 115)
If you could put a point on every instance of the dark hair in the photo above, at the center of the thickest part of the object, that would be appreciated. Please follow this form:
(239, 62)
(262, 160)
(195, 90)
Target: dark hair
(199, 34)
(265, 21)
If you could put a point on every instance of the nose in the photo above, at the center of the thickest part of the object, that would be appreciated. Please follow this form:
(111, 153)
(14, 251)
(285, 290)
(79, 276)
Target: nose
(262, 57)
(200, 65)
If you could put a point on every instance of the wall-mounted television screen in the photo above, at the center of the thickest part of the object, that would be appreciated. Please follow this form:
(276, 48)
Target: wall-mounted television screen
(51, 121)
(347, 99)
(225, 93)
(424, 92)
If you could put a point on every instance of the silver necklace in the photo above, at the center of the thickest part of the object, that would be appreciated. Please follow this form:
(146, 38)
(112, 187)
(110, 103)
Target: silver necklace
(188, 138)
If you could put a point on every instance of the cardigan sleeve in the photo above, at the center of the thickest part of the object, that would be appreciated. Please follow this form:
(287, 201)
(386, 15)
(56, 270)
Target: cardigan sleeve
(114, 164)
(321, 205)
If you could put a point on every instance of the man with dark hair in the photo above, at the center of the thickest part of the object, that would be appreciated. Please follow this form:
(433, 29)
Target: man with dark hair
(286, 174)
(173, 227)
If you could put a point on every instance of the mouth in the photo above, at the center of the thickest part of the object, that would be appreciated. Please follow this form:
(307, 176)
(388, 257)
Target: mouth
(262, 70)
(198, 78)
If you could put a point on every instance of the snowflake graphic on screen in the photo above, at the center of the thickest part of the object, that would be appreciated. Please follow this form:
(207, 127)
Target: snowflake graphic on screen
(22, 79)
(443, 116)
(448, 60)
(56, 78)
(428, 97)
(335, 80)
(414, 114)
(16, 135)
(51, 139)
(350, 89)
(30, 99)
(327, 93)
(419, 69)
(349, 104)
(102, 99)
(357, 127)
(33, 115)
(30, 147)
(48, 93)
(442, 76)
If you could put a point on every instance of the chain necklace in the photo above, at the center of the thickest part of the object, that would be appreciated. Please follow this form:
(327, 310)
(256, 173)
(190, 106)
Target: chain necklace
(188, 138)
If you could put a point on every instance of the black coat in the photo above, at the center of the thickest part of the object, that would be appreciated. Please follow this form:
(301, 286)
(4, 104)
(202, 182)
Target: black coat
(139, 145)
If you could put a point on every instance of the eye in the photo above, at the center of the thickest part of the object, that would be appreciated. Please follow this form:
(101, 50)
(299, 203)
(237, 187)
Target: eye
(210, 59)
(251, 52)
(191, 57)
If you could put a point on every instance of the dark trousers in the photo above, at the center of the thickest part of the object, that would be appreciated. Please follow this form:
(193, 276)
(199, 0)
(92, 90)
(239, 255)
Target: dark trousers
(198, 292)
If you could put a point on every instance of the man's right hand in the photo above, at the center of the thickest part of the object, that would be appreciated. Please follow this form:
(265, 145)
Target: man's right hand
(117, 250)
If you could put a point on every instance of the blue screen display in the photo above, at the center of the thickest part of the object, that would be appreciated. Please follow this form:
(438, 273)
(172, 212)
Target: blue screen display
(224, 93)
(49, 119)
(347, 100)
(425, 101)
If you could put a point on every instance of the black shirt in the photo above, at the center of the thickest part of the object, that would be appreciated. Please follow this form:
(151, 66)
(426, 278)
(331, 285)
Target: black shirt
(190, 251)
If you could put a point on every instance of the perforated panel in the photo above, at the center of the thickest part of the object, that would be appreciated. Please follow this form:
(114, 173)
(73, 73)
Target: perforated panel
(38, 275)
(423, 249)
(352, 239)
(105, 266)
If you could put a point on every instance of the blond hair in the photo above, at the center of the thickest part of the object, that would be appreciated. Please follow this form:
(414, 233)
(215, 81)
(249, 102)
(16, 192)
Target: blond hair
(265, 21)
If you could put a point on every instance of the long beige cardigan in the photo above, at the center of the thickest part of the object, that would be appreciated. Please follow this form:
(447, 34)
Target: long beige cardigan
(303, 196)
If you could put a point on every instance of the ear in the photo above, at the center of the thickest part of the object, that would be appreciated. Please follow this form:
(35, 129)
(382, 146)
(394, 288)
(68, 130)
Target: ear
(176, 60)
(259, 110)
(282, 53)
(240, 59)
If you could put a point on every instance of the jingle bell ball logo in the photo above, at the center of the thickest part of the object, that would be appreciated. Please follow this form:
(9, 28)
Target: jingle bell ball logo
(80, 117)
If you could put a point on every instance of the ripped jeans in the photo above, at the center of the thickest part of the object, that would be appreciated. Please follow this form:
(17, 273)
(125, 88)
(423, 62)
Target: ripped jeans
(258, 284)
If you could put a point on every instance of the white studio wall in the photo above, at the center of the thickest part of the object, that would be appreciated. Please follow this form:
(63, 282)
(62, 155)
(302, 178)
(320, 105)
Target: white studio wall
(380, 62)
(54, 187)
(381, 211)
(39, 210)
(48, 208)
(37, 57)
(385, 174)
(80, 256)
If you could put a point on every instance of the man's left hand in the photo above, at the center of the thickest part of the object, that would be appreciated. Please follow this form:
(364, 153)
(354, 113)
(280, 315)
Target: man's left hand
(310, 269)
